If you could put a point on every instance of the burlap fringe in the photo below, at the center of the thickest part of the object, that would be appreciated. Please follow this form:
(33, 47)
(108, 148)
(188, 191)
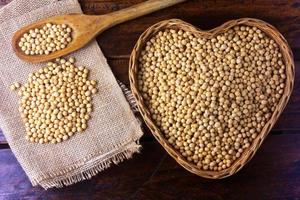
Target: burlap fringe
(53, 179)
(129, 97)
(90, 172)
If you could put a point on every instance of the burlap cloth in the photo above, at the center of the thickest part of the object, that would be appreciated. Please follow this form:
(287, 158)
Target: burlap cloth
(113, 131)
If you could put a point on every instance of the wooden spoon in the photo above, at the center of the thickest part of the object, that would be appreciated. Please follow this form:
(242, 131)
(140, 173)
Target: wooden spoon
(87, 27)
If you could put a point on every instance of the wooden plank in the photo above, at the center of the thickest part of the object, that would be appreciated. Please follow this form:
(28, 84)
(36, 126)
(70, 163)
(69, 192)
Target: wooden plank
(204, 14)
(272, 174)
(119, 40)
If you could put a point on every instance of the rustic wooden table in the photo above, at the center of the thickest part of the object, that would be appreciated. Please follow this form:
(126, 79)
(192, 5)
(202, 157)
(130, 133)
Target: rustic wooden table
(274, 173)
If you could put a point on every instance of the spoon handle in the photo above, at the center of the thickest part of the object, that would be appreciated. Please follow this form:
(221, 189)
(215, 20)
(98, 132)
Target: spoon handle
(138, 10)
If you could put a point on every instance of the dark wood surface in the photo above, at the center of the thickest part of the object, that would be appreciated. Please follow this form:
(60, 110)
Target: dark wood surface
(274, 173)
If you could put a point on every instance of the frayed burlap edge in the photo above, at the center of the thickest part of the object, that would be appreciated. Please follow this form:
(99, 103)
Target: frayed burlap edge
(89, 170)
(129, 97)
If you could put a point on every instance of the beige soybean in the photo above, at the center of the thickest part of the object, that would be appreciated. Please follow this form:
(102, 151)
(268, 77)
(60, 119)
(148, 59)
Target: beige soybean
(15, 86)
(211, 97)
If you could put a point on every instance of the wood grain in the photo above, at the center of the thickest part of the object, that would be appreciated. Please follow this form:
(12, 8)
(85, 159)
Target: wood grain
(272, 174)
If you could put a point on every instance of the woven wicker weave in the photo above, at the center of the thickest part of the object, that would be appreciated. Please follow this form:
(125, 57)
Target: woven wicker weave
(178, 24)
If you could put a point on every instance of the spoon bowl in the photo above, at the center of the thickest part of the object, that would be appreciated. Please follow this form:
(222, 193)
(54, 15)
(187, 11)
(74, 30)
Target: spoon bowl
(85, 28)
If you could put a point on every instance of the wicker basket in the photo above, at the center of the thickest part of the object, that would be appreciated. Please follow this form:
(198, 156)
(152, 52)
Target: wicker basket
(178, 24)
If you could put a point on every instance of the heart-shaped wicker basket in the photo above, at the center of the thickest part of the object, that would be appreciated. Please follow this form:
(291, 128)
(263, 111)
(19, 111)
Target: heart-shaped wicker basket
(178, 24)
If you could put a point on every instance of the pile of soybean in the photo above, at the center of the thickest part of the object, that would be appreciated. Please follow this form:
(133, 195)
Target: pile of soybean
(211, 97)
(56, 101)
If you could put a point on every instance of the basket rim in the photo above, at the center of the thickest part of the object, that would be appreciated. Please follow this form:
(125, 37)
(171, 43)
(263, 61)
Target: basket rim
(247, 155)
